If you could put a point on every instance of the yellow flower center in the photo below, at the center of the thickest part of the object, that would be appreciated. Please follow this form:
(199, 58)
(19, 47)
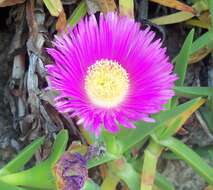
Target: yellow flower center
(106, 83)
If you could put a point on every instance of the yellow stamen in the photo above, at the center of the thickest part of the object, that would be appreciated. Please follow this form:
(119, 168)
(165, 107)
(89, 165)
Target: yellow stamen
(106, 83)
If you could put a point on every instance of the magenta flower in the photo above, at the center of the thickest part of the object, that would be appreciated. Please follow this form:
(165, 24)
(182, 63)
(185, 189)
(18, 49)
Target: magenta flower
(110, 73)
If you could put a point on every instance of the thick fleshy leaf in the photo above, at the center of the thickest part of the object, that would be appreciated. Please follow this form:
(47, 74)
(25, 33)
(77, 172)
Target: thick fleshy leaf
(173, 18)
(54, 6)
(199, 55)
(101, 5)
(211, 11)
(193, 92)
(128, 138)
(204, 152)
(176, 5)
(190, 157)
(90, 185)
(5, 186)
(4, 3)
(207, 113)
(40, 176)
(182, 58)
(126, 7)
(163, 183)
(125, 172)
(201, 6)
(77, 14)
(59, 146)
(202, 41)
(181, 62)
(22, 158)
(110, 181)
(174, 124)
(96, 161)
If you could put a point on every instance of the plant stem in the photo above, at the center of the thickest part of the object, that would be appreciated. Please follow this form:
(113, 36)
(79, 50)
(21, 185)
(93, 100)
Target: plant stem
(110, 182)
(151, 155)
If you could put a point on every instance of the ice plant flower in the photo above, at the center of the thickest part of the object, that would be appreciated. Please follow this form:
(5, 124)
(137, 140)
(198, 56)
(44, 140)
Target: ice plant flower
(109, 72)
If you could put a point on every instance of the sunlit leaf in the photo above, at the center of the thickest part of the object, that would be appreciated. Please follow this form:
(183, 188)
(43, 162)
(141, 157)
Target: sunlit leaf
(22, 158)
(198, 23)
(176, 5)
(176, 123)
(54, 6)
(201, 5)
(77, 14)
(106, 5)
(126, 7)
(173, 18)
(130, 137)
(165, 117)
(4, 3)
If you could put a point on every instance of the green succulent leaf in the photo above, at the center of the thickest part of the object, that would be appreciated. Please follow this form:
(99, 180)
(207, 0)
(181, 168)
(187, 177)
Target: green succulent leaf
(54, 6)
(22, 158)
(205, 152)
(40, 176)
(175, 123)
(5, 186)
(181, 61)
(202, 41)
(190, 157)
(90, 185)
(96, 161)
(211, 11)
(173, 18)
(126, 7)
(130, 137)
(163, 183)
(59, 146)
(122, 169)
(193, 92)
(77, 14)
(110, 181)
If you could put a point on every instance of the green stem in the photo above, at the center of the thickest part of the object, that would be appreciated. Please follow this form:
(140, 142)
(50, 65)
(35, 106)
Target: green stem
(110, 182)
(151, 155)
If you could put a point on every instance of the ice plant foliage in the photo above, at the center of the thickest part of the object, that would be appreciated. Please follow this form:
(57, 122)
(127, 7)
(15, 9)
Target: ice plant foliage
(110, 72)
